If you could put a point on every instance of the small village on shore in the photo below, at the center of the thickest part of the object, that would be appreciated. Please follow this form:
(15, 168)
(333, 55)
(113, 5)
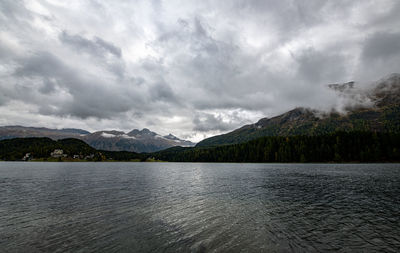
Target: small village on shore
(58, 154)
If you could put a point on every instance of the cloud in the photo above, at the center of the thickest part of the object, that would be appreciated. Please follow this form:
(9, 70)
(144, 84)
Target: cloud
(96, 47)
(191, 69)
(381, 46)
(208, 122)
(218, 120)
(161, 91)
(317, 67)
(83, 95)
(380, 54)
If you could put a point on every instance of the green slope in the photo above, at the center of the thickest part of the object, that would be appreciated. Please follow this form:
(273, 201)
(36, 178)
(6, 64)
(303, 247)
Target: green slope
(334, 147)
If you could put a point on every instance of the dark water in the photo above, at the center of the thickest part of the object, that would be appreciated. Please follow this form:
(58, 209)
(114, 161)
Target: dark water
(182, 207)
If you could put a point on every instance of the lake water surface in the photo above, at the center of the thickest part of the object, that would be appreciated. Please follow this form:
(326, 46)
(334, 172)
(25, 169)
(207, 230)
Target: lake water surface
(196, 207)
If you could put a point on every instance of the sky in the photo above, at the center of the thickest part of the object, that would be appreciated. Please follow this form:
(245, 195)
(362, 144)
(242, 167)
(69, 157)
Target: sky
(190, 68)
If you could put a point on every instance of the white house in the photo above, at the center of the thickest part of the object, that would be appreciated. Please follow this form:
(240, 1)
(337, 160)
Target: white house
(58, 153)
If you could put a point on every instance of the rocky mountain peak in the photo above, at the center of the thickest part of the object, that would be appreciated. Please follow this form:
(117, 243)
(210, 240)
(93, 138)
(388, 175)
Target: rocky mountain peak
(144, 131)
(296, 115)
(171, 137)
(341, 87)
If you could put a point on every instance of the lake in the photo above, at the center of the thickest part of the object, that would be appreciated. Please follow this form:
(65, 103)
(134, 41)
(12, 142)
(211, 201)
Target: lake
(199, 207)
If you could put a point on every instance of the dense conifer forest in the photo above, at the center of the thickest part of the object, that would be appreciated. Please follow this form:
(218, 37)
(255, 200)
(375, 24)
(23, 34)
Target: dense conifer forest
(334, 147)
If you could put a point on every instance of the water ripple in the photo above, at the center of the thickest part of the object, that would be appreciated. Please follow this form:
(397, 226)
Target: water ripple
(172, 207)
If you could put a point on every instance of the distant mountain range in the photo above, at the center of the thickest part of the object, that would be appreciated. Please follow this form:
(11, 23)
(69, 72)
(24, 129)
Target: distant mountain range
(135, 141)
(375, 109)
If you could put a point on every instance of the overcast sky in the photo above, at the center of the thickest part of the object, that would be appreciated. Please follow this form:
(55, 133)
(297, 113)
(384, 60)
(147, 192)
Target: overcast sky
(190, 68)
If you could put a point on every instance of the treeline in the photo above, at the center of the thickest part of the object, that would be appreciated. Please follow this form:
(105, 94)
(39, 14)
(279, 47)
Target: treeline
(15, 149)
(334, 147)
(124, 155)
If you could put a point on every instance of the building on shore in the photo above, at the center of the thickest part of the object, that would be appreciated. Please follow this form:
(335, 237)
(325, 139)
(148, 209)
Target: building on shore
(27, 157)
(91, 156)
(57, 153)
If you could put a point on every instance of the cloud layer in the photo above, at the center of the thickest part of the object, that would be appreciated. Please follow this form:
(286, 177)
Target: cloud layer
(192, 68)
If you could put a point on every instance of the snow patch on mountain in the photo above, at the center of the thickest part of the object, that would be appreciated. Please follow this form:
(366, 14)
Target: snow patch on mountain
(107, 135)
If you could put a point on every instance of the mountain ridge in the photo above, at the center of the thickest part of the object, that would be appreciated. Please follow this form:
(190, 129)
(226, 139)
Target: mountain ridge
(112, 140)
(373, 109)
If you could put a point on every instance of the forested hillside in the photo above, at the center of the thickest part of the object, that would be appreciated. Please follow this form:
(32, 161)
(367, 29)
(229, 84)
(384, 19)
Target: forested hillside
(15, 149)
(334, 147)
(381, 115)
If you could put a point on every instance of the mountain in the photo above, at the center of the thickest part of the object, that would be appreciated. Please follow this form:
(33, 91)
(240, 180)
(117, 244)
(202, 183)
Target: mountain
(182, 143)
(75, 131)
(9, 132)
(374, 109)
(136, 140)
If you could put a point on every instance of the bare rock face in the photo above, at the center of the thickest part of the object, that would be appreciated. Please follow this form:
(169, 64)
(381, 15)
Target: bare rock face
(342, 87)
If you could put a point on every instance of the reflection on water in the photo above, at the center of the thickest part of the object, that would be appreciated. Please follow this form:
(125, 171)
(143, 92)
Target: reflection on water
(181, 207)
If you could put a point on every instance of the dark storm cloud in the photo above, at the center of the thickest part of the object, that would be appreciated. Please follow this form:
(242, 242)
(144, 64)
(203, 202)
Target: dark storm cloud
(385, 20)
(289, 18)
(205, 122)
(380, 54)
(208, 122)
(48, 86)
(188, 67)
(89, 97)
(97, 46)
(3, 99)
(381, 46)
(162, 91)
(42, 64)
(320, 67)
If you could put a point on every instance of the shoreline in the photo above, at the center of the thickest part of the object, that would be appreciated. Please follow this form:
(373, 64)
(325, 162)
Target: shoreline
(133, 161)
